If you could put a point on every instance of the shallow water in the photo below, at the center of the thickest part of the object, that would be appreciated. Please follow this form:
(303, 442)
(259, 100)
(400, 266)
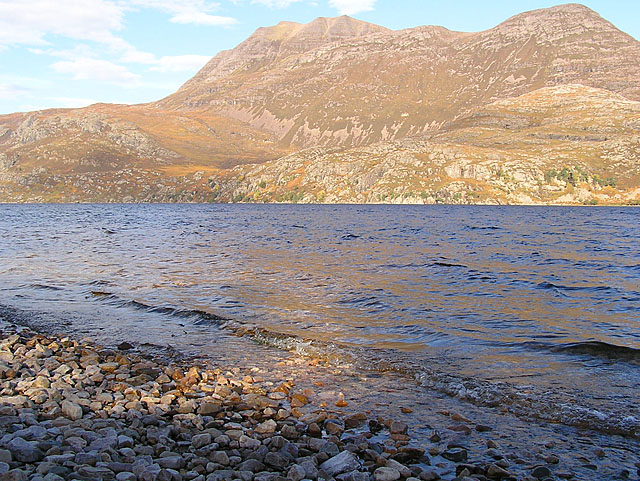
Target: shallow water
(530, 309)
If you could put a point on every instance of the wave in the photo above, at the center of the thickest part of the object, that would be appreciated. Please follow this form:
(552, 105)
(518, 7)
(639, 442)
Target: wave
(550, 285)
(46, 287)
(600, 349)
(520, 401)
(198, 316)
(523, 401)
(447, 264)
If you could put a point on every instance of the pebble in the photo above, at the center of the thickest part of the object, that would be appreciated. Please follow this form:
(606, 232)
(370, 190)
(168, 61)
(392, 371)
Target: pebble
(200, 440)
(457, 455)
(340, 463)
(71, 410)
(398, 428)
(25, 451)
(80, 411)
(386, 474)
(541, 472)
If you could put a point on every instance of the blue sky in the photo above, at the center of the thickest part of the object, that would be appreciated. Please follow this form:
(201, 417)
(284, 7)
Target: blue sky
(71, 53)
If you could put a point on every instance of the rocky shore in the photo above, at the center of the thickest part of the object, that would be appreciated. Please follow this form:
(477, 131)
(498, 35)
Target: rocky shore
(76, 410)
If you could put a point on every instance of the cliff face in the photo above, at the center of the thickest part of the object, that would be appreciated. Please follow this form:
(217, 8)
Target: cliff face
(418, 115)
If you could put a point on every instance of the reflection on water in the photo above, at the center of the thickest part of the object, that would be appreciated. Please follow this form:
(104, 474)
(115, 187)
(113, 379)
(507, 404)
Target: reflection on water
(536, 296)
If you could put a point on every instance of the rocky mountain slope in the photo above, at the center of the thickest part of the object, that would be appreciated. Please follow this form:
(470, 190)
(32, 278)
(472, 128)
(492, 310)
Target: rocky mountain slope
(565, 144)
(541, 108)
(390, 85)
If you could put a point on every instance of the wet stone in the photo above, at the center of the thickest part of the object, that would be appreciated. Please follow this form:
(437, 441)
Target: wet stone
(340, 463)
(541, 472)
(398, 428)
(494, 471)
(457, 455)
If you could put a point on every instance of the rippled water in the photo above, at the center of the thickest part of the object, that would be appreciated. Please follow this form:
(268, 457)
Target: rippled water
(534, 308)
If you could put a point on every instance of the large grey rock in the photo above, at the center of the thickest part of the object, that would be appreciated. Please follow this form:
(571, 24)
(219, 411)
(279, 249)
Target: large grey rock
(53, 477)
(102, 444)
(357, 476)
(71, 410)
(252, 465)
(341, 463)
(172, 462)
(267, 427)
(402, 469)
(14, 475)
(126, 476)
(5, 456)
(201, 440)
(310, 469)
(220, 457)
(248, 443)
(386, 474)
(25, 451)
(276, 460)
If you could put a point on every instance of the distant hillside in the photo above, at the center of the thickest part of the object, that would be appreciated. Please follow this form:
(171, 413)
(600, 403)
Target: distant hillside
(339, 110)
(566, 144)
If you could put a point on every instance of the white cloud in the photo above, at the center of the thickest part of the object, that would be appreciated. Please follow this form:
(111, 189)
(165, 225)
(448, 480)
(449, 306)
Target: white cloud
(11, 91)
(12, 86)
(351, 7)
(100, 70)
(181, 63)
(30, 23)
(201, 18)
(275, 3)
(196, 12)
(134, 55)
(37, 22)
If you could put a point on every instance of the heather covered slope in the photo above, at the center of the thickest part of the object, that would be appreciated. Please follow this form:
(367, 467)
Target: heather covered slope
(361, 90)
(111, 153)
(565, 144)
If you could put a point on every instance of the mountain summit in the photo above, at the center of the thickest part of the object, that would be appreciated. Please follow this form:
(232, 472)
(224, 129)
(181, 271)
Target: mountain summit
(268, 44)
(376, 84)
(342, 84)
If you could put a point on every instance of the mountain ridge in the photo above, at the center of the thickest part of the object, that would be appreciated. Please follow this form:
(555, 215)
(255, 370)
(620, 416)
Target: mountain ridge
(336, 83)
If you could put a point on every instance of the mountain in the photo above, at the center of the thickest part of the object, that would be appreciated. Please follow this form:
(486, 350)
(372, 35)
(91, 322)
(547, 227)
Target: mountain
(340, 110)
(390, 85)
(563, 144)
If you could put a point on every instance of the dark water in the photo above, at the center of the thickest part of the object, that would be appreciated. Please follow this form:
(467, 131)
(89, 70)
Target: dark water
(530, 309)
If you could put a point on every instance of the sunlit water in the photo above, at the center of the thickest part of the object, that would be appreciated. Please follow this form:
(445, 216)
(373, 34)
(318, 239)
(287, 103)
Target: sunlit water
(530, 308)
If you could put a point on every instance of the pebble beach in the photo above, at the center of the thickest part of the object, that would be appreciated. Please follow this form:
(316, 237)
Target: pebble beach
(75, 410)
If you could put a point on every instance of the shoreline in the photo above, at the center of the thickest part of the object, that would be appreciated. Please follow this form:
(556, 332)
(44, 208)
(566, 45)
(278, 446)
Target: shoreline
(75, 410)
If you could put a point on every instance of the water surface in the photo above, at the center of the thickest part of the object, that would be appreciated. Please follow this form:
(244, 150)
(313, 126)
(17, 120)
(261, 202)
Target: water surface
(535, 308)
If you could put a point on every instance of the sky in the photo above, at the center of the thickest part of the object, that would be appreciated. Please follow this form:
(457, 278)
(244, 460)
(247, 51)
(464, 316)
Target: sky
(72, 53)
